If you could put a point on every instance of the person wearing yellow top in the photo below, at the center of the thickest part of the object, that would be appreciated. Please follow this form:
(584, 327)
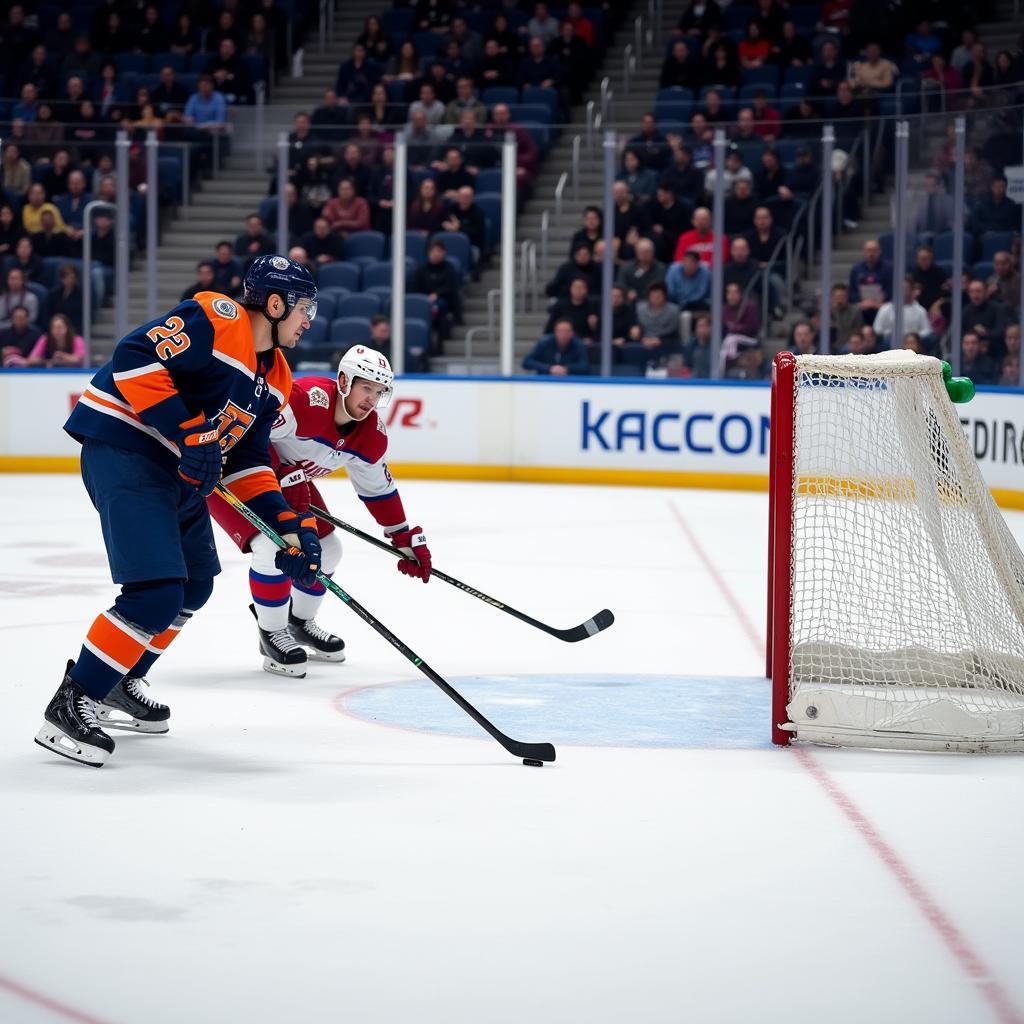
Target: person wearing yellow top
(32, 214)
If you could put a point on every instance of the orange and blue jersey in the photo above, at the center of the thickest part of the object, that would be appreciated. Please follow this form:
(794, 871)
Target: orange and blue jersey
(198, 360)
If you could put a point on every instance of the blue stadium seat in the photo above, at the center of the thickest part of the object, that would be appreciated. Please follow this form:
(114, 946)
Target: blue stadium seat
(543, 96)
(766, 76)
(499, 94)
(942, 247)
(786, 148)
(364, 247)
(427, 44)
(316, 335)
(675, 94)
(538, 113)
(397, 91)
(540, 133)
(417, 307)
(488, 180)
(416, 246)
(350, 330)
(383, 293)
(377, 274)
(339, 275)
(458, 247)
(178, 61)
(751, 89)
(798, 76)
(198, 61)
(131, 63)
(168, 172)
(490, 205)
(673, 110)
(327, 302)
(417, 345)
(257, 66)
(397, 19)
(791, 94)
(982, 269)
(362, 304)
(750, 153)
(995, 241)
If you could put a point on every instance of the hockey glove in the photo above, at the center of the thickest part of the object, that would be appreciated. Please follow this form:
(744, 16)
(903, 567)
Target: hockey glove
(413, 545)
(200, 462)
(294, 487)
(301, 559)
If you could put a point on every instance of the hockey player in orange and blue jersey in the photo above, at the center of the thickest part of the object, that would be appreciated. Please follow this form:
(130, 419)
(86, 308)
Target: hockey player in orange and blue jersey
(183, 399)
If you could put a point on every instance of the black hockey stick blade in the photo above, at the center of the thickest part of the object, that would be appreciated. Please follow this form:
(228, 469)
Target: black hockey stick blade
(594, 625)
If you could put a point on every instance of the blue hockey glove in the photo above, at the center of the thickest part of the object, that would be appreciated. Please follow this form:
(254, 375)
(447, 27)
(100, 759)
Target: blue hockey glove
(301, 560)
(200, 462)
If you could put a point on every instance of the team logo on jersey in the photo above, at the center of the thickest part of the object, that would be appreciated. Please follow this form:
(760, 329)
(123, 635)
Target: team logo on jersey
(320, 398)
(380, 426)
(225, 308)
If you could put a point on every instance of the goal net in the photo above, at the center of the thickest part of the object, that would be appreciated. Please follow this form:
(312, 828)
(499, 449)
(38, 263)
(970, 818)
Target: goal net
(896, 591)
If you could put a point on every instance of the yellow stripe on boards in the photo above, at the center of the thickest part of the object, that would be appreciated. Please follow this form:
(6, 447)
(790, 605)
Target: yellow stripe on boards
(565, 475)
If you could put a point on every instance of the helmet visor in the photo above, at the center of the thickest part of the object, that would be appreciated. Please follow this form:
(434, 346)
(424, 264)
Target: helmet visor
(308, 308)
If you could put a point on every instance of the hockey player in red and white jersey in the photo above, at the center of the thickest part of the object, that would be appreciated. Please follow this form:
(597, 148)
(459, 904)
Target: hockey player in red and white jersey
(327, 424)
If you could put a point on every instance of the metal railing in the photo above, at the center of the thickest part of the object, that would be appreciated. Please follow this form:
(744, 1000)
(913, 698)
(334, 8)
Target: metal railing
(628, 64)
(606, 99)
(588, 120)
(559, 194)
(638, 36)
(577, 142)
(528, 281)
(545, 242)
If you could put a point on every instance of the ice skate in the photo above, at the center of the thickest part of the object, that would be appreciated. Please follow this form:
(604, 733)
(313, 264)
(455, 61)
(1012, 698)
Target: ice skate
(282, 655)
(127, 707)
(319, 644)
(70, 727)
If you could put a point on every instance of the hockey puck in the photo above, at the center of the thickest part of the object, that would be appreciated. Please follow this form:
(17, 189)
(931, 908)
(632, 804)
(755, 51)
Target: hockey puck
(532, 763)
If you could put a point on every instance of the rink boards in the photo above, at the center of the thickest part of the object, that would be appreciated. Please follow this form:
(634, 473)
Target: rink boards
(655, 432)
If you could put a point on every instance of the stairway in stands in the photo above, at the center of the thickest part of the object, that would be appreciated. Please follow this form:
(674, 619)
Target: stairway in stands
(218, 207)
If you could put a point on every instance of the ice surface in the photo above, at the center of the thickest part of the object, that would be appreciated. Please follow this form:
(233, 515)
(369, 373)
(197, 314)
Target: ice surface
(283, 856)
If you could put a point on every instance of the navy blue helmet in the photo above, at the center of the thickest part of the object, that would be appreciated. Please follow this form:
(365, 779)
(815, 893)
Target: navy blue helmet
(268, 275)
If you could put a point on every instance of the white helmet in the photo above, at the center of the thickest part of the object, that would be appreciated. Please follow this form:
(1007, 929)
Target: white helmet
(371, 365)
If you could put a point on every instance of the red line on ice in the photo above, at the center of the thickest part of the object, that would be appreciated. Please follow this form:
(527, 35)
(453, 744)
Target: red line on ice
(50, 1004)
(955, 941)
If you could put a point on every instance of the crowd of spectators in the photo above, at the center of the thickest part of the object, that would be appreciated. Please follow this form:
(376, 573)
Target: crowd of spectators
(771, 74)
(70, 79)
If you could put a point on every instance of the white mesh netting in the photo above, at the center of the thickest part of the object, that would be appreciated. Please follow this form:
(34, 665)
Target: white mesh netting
(907, 598)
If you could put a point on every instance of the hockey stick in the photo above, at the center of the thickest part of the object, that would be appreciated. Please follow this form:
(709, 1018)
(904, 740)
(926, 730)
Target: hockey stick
(594, 625)
(527, 751)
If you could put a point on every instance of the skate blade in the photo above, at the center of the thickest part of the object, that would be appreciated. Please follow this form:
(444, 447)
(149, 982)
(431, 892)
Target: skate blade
(275, 668)
(58, 742)
(129, 724)
(337, 657)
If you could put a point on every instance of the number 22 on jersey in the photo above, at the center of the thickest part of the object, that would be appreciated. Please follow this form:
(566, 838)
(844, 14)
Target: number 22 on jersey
(170, 338)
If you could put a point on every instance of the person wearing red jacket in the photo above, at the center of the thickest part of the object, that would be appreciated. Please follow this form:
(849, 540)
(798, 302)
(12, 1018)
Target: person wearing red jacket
(701, 239)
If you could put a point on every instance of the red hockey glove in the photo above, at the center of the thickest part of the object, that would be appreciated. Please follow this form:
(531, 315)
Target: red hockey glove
(294, 487)
(413, 545)
(301, 560)
(199, 464)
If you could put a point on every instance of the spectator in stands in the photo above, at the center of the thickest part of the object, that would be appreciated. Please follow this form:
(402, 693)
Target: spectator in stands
(432, 16)
(527, 151)
(82, 60)
(558, 354)
(659, 324)
(49, 241)
(352, 168)
(538, 68)
(721, 68)
(465, 99)
(975, 362)
(381, 111)
(935, 212)
(17, 294)
(10, 230)
(915, 316)
(874, 75)
(996, 212)
(230, 73)
(755, 49)
(380, 191)
(443, 81)
(701, 238)
(666, 218)
(543, 25)
(679, 71)
(685, 180)
(640, 181)
(870, 281)
(575, 59)
(453, 175)
(763, 240)
(26, 260)
(735, 170)
(225, 27)
(509, 42)
(464, 215)
(1011, 339)
(477, 145)
(739, 316)
(1010, 373)
(985, 317)
(73, 203)
(432, 108)
(740, 269)
(827, 71)
(1004, 283)
(770, 181)
(845, 318)
(39, 72)
(32, 211)
(912, 343)
(933, 282)
(689, 282)
(374, 40)
(591, 232)
(321, 244)
(471, 46)
(700, 17)
(356, 77)
(977, 76)
(625, 326)
(581, 265)
(495, 68)
(438, 280)
(60, 346)
(74, 93)
(421, 140)
(347, 212)
(793, 50)
(638, 274)
(15, 171)
(577, 307)
(60, 40)
(426, 212)
(206, 108)
(702, 137)
(630, 220)
(66, 296)
(650, 145)
(713, 111)
(27, 107)
(765, 121)
(18, 335)
(804, 342)
(227, 271)
(169, 94)
(942, 78)
(405, 66)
